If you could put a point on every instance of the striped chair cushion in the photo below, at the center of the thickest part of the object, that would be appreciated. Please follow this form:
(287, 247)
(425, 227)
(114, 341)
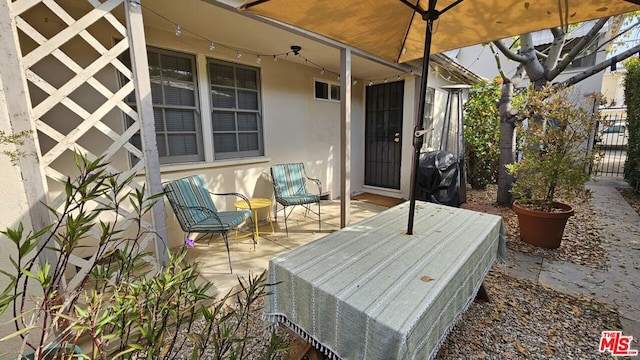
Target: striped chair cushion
(298, 200)
(222, 221)
(290, 185)
(190, 200)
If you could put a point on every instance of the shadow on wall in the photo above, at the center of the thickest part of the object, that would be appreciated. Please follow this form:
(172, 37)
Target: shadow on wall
(264, 186)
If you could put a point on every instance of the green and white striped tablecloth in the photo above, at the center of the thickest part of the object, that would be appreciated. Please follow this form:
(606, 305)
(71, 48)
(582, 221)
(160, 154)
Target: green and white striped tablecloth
(369, 291)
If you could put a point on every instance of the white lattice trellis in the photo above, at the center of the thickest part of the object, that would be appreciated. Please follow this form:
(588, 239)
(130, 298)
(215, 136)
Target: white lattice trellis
(77, 45)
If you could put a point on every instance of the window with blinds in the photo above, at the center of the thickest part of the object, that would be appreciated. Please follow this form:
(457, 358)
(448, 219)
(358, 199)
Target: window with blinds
(235, 110)
(175, 107)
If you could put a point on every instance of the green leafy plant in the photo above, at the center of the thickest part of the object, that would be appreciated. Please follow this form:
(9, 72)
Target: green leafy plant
(632, 100)
(555, 156)
(482, 134)
(15, 139)
(122, 307)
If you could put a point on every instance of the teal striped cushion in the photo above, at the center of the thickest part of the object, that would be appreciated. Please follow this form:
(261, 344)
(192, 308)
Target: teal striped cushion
(298, 200)
(290, 185)
(192, 204)
(222, 221)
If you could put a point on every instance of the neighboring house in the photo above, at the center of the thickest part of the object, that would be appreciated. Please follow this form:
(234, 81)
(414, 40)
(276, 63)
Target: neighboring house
(614, 108)
(210, 89)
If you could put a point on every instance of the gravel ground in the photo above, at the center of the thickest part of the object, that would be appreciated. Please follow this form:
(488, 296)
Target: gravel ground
(524, 320)
(581, 240)
(528, 321)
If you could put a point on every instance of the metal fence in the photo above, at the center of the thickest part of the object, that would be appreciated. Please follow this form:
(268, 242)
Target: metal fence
(611, 143)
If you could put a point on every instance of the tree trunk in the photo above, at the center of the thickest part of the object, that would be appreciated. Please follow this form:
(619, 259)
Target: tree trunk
(507, 143)
(507, 156)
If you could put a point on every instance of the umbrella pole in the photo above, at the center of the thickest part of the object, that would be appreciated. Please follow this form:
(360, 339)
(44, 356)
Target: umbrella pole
(418, 136)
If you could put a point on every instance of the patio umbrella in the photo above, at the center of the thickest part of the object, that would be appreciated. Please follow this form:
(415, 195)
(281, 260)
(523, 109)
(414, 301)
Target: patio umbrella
(404, 30)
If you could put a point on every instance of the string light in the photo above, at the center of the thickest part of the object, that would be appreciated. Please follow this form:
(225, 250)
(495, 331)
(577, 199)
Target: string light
(339, 77)
(370, 82)
(258, 60)
(212, 46)
(355, 82)
(238, 54)
(322, 71)
(178, 30)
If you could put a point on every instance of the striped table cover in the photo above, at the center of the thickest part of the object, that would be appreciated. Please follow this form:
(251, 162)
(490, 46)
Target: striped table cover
(369, 291)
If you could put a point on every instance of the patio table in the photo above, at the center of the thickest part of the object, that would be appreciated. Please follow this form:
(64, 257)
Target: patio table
(369, 291)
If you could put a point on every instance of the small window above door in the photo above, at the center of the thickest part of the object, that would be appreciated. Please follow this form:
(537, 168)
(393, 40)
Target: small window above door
(325, 90)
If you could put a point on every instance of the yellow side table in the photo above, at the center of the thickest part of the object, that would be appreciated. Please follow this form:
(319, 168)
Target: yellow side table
(256, 204)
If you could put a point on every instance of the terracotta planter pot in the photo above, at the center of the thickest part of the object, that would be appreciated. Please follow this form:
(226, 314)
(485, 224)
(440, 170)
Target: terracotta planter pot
(543, 229)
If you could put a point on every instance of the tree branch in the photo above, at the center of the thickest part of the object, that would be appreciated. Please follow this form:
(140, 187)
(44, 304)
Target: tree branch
(498, 63)
(542, 55)
(555, 50)
(599, 67)
(575, 50)
(508, 53)
(519, 75)
(621, 33)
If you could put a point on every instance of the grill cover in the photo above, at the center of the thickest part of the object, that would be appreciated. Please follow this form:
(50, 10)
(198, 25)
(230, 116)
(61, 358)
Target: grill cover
(438, 178)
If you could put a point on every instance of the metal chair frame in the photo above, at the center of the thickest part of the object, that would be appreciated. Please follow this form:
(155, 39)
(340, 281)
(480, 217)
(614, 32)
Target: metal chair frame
(284, 194)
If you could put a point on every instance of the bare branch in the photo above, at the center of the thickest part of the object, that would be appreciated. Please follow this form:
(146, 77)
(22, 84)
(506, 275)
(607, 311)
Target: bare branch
(597, 68)
(508, 53)
(577, 49)
(498, 62)
(621, 33)
(519, 75)
(542, 55)
(555, 50)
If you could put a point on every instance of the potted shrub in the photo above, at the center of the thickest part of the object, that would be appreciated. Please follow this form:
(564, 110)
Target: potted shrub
(555, 164)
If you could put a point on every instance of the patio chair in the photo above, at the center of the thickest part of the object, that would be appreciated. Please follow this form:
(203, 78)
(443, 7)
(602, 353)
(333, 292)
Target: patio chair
(290, 189)
(191, 202)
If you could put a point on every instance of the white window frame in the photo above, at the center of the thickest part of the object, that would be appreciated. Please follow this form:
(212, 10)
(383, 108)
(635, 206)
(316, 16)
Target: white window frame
(330, 86)
(236, 110)
(196, 108)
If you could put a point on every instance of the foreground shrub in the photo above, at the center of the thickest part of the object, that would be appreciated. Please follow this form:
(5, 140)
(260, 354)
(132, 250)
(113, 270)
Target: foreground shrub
(122, 307)
(632, 100)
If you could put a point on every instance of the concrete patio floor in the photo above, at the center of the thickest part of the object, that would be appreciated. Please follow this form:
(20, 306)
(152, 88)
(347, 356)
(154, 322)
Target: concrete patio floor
(246, 260)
